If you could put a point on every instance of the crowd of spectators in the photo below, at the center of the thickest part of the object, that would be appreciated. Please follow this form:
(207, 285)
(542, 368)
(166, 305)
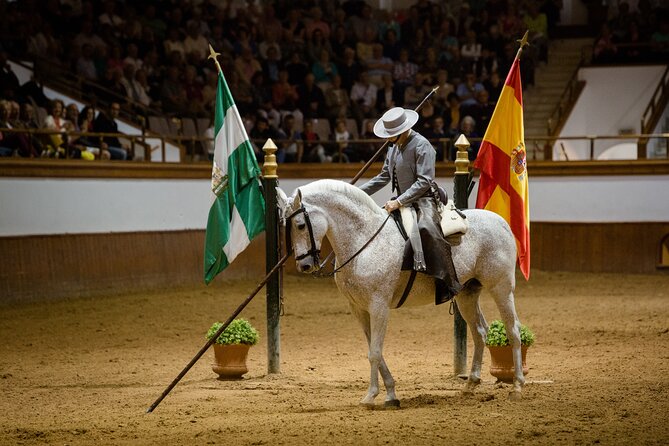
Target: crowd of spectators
(287, 63)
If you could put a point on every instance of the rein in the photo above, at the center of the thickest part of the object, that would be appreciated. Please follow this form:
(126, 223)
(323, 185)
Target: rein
(315, 253)
(356, 254)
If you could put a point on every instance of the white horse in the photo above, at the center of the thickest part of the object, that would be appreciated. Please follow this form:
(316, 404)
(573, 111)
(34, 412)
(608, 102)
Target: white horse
(373, 280)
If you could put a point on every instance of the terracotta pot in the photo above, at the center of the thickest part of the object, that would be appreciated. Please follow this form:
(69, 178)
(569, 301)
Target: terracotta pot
(501, 365)
(230, 360)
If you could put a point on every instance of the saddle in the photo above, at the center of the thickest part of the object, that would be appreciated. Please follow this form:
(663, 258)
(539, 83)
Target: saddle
(453, 222)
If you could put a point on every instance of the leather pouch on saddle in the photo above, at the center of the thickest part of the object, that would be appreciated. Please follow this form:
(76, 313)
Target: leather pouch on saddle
(453, 222)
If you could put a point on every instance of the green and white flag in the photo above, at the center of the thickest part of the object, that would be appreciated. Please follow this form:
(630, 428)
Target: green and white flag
(237, 211)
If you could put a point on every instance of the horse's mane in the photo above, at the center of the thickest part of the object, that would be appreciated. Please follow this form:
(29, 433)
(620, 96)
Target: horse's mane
(341, 188)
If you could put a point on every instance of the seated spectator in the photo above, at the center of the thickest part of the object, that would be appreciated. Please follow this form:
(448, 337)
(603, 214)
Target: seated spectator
(55, 142)
(290, 136)
(85, 125)
(367, 149)
(324, 71)
(172, 93)
(537, 24)
(11, 142)
(259, 134)
(284, 95)
(363, 99)
(481, 111)
(86, 65)
(437, 131)
(293, 27)
(317, 24)
(339, 43)
(337, 101)
(247, 65)
(342, 137)
(448, 43)
(349, 69)
(416, 92)
(27, 120)
(467, 90)
(445, 88)
(452, 114)
(296, 69)
(88, 36)
(605, 50)
(272, 64)
(195, 44)
(391, 45)
(364, 48)
(105, 122)
(430, 66)
(310, 150)
(174, 43)
(109, 16)
(316, 45)
(115, 59)
(378, 65)
(470, 52)
(486, 65)
(133, 57)
(242, 93)
(310, 98)
(193, 88)
(493, 86)
(404, 72)
(387, 96)
(467, 128)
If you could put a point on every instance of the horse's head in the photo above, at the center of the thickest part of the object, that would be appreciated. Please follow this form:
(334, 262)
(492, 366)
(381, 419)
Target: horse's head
(305, 228)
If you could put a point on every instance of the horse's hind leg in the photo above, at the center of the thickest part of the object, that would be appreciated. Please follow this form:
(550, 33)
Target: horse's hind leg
(377, 362)
(503, 294)
(468, 304)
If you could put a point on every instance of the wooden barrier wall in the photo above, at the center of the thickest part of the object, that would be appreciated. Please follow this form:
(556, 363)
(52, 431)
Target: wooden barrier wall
(63, 266)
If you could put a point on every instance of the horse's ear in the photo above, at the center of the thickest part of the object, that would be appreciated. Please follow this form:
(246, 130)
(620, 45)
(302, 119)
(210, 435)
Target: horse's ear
(297, 201)
(282, 202)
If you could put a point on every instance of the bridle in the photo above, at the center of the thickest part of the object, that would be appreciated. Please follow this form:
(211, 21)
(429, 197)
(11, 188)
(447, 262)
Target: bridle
(314, 252)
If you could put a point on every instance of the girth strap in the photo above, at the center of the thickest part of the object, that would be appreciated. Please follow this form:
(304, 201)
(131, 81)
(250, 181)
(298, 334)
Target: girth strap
(407, 289)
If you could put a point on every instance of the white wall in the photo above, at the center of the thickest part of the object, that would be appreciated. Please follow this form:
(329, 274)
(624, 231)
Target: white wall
(614, 98)
(56, 206)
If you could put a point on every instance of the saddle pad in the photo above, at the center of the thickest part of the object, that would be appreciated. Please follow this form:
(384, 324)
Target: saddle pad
(452, 222)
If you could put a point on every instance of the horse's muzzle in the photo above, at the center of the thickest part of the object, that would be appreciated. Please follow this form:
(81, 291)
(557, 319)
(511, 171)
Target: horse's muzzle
(305, 266)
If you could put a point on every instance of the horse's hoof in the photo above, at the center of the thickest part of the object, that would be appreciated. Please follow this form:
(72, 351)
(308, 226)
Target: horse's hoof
(515, 396)
(392, 404)
(368, 406)
(467, 393)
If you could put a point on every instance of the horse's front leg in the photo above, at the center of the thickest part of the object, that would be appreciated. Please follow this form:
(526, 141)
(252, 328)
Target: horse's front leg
(468, 304)
(374, 326)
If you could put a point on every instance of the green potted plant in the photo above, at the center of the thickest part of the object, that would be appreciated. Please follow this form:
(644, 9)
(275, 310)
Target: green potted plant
(501, 354)
(232, 347)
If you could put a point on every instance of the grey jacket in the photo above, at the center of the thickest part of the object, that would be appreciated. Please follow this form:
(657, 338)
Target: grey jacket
(414, 167)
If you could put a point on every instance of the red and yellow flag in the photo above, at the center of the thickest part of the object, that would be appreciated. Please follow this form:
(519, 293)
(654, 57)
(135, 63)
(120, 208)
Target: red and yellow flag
(502, 162)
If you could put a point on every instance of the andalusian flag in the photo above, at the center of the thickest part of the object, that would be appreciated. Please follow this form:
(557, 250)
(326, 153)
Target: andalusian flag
(501, 160)
(237, 211)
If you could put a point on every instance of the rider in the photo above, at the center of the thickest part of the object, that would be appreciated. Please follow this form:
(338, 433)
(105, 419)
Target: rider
(409, 167)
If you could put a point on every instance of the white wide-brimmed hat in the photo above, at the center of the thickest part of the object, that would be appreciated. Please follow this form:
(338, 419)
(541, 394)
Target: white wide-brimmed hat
(394, 122)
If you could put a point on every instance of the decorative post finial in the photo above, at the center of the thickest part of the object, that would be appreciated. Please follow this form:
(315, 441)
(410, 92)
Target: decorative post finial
(269, 166)
(462, 159)
(214, 55)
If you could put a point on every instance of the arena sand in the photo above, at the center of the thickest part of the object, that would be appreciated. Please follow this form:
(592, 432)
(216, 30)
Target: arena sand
(84, 371)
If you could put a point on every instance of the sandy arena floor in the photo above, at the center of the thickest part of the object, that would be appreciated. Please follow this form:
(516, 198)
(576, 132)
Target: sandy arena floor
(85, 371)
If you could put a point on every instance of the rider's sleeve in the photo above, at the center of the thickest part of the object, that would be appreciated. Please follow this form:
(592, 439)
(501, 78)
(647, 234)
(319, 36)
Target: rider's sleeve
(378, 182)
(425, 159)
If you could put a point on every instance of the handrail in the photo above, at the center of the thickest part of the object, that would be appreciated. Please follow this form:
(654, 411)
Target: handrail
(566, 102)
(660, 95)
(183, 140)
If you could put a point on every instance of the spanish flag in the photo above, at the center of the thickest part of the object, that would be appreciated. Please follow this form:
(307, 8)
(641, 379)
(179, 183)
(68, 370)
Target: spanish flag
(502, 162)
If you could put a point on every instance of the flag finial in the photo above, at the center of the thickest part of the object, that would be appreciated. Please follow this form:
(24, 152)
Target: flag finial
(523, 43)
(214, 55)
